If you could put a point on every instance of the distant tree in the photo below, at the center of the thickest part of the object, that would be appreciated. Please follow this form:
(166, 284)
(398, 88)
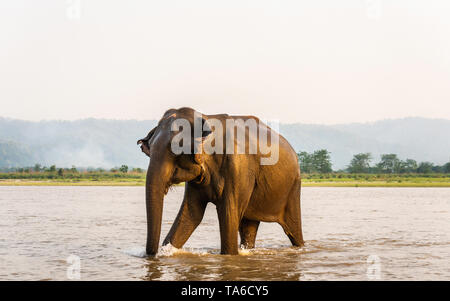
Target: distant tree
(73, 169)
(405, 166)
(52, 168)
(60, 172)
(37, 167)
(322, 161)
(306, 162)
(123, 169)
(399, 167)
(446, 168)
(319, 161)
(138, 170)
(360, 163)
(409, 165)
(389, 163)
(437, 169)
(425, 167)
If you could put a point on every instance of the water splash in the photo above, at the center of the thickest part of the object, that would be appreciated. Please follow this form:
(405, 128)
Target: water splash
(168, 250)
(245, 252)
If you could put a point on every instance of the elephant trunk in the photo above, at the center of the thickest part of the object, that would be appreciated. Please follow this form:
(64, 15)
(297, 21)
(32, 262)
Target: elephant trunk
(155, 191)
(154, 219)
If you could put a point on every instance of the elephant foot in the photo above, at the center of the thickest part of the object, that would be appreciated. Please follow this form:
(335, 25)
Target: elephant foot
(247, 246)
(229, 252)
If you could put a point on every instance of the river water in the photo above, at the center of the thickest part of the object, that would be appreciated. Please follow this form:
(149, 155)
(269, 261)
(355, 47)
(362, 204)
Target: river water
(98, 233)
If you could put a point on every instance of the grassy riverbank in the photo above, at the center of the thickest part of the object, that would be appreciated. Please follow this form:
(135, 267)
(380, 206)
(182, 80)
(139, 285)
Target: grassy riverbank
(376, 180)
(138, 179)
(87, 178)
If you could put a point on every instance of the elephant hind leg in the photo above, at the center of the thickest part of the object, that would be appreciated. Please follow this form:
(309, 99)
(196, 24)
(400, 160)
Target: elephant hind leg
(291, 221)
(294, 235)
(247, 230)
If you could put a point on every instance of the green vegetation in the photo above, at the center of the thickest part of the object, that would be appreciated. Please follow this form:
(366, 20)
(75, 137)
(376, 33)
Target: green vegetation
(67, 177)
(316, 171)
(389, 172)
(52, 175)
(320, 162)
(124, 176)
(360, 163)
(376, 180)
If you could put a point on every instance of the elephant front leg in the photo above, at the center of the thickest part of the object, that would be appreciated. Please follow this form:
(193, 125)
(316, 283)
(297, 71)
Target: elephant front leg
(188, 218)
(229, 225)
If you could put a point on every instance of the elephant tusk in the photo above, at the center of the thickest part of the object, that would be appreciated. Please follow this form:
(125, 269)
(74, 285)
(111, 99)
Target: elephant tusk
(202, 175)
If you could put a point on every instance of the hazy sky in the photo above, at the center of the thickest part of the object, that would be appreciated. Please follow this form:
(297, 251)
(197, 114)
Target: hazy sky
(297, 61)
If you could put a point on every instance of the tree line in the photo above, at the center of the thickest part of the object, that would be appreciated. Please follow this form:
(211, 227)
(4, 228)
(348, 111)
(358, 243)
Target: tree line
(60, 171)
(319, 161)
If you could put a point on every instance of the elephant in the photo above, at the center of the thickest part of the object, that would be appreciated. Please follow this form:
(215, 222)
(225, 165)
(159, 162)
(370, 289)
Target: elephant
(244, 191)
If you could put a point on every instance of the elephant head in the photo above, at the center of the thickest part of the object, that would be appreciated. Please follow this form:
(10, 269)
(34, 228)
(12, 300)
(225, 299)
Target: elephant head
(167, 168)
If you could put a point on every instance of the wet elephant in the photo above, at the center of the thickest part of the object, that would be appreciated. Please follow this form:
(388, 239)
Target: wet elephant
(245, 191)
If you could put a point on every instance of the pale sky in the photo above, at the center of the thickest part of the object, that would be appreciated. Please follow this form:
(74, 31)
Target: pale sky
(321, 61)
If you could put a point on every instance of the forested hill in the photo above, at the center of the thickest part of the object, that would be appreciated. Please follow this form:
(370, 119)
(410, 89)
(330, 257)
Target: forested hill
(83, 143)
(109, 143)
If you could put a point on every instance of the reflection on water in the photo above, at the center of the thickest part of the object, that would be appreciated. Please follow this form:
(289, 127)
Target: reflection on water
(407, 228)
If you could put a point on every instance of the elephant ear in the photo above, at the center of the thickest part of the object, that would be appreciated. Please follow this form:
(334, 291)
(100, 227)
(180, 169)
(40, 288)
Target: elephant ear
(144, 142)
(199, 139)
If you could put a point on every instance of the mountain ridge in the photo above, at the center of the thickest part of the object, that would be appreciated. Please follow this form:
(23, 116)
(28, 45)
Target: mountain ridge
(93, 142)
